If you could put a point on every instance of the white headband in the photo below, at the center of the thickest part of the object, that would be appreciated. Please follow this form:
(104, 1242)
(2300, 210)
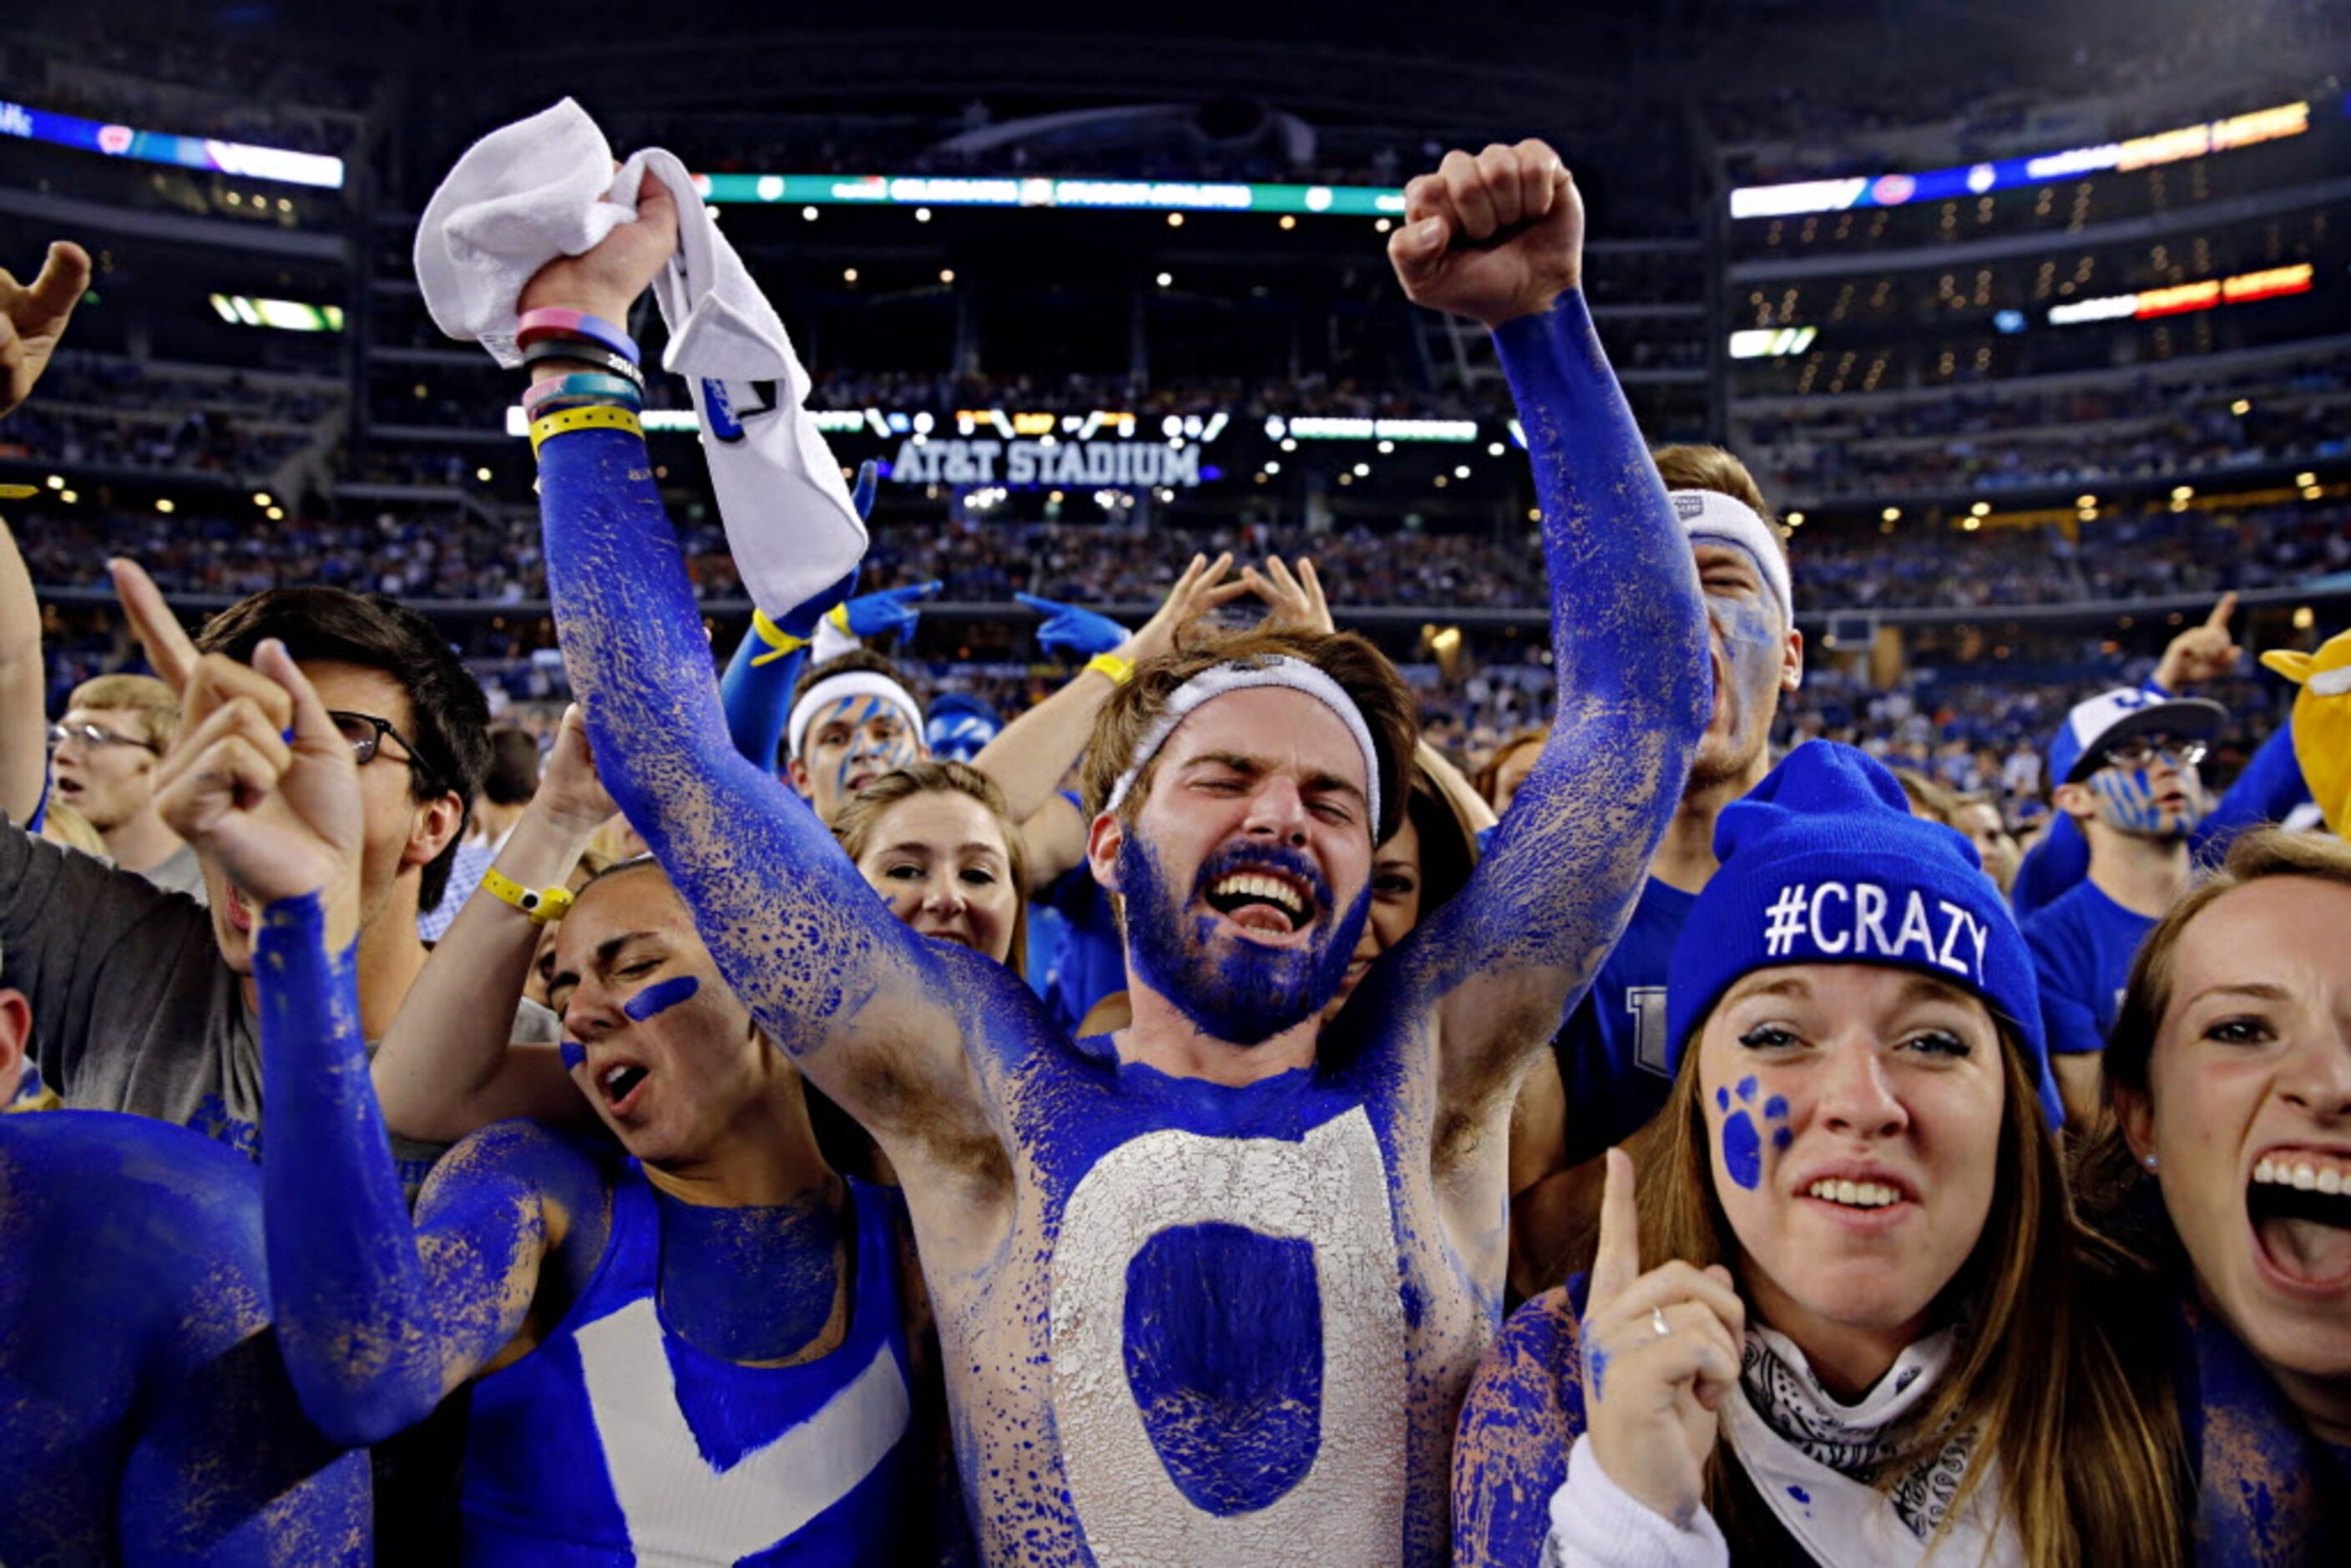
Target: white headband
(848, 683)
(1274, 670)
(1711, 515)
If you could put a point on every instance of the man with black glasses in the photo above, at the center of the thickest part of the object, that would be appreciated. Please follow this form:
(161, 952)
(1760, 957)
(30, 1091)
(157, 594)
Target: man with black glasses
(2125, 770)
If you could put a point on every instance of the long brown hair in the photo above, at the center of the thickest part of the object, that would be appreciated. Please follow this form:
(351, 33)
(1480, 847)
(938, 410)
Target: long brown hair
(2088, 1455)
(2116, 1194)
(854, 826)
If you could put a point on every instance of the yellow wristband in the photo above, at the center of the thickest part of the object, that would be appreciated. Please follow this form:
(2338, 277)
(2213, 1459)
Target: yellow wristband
(1119, 670)
(593, 417)
(780, 643)
(546, 905)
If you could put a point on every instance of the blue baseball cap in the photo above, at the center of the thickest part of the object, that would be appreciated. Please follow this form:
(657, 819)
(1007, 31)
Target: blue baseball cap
(2112, 717)
(958, 726)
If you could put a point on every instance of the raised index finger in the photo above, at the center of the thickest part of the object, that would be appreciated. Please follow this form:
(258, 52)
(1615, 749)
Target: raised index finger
(1617, 1263)
(2219, 619)
(170, 653)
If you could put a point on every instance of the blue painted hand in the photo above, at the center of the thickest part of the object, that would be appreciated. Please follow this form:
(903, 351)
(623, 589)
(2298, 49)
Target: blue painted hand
(892, 610)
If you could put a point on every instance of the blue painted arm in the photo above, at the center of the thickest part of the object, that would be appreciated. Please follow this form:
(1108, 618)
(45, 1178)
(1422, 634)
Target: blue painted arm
(373, 1338)
(1513, 950)
(831, 977)
(758, 687)
(2269, 788)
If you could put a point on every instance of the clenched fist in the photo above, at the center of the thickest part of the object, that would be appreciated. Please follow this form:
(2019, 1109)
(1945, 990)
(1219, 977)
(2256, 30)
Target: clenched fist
(1494, 237)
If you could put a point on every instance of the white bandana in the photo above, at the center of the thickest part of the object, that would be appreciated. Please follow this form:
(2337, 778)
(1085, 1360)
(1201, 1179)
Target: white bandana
(1711, 515)
(1816, 1462)
(848, 683)
(1274, 670)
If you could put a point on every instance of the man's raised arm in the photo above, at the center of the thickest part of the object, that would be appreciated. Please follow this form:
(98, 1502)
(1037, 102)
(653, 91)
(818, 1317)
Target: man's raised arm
(1499, 237)
(876, 1015)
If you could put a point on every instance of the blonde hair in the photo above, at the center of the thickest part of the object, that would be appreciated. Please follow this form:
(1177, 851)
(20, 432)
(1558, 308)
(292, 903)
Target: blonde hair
(854, 824)
(156, 705)
(61, 824)
(2087, 1443)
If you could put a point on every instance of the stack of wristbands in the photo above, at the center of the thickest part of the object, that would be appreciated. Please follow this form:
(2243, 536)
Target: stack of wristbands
(609, 397)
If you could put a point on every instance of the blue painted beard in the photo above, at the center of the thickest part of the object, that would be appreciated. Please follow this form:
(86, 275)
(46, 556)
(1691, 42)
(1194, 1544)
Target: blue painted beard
(1231, 989)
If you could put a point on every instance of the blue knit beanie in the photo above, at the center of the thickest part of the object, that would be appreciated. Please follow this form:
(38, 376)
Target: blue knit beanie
(1823, 863)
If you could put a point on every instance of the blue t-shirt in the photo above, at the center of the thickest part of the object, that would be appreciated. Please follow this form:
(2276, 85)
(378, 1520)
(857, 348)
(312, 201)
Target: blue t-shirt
(2082, 949)
(1612, 1052)
(1091, 962)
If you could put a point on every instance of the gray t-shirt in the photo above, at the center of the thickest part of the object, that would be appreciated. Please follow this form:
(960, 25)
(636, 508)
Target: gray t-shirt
(133, 1008)
(179, 872)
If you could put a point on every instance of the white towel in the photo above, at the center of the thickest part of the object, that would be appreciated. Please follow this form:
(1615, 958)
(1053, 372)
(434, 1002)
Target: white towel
(544, 187)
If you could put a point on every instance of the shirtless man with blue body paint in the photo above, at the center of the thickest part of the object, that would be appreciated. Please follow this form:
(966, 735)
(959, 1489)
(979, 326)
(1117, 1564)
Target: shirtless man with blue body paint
(1209, 1289)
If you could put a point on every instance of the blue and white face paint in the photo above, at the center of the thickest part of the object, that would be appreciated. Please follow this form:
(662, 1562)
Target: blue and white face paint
(960, 737)
(847, 731)
(1750, 613)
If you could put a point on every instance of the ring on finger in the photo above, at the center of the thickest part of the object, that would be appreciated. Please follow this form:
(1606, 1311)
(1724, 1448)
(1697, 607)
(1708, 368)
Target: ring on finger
(1657, 1322)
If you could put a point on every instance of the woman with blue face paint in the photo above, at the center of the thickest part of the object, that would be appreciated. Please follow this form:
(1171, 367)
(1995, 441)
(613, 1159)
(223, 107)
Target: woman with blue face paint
(2228, 1164)
(693, 1341)
(1841, 1325)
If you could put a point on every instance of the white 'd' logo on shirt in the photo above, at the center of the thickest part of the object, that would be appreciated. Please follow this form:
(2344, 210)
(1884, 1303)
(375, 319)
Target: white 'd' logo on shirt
(679, 1509)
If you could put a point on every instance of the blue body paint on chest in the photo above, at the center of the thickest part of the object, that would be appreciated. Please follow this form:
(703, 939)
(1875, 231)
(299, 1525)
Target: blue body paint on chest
(661, 996)
(747, 1284)
(1224, 1353)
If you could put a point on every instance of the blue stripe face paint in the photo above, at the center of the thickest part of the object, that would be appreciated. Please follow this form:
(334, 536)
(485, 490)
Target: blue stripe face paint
(1234, 989)
(575, 1055)
(1746, 630)
(2126, 801)
(660, 996)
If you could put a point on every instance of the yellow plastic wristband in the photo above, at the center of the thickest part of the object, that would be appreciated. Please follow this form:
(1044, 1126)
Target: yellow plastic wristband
(546, 905)
(780, 643)
(594, 417)
(1119, 670)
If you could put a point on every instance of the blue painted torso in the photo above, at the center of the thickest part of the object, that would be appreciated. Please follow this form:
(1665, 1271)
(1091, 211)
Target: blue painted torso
(1612, 1052)
(615, 1441)
(145, 1416)
(1235, 1294)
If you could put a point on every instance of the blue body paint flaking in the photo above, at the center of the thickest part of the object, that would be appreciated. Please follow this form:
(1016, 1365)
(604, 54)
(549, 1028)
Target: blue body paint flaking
(145, 1414)
(661, 996)
(799, 937)
(1250, 993)
(1232, 1401)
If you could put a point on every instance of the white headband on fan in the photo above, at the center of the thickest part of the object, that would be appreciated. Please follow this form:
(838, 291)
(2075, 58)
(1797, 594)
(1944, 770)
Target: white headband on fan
(1711, 515)
(848, 683)
(1274, 670)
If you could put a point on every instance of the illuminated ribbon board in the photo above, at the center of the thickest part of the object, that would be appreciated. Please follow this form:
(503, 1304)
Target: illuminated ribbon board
(161, 147)
(2180, 298)
(1014, 190)
(1858, 191)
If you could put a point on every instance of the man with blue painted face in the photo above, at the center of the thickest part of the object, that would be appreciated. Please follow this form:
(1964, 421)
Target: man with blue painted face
(853, 719)
(1604, 1080)
(2125, 770)
(1210, 1287)
(959, 725)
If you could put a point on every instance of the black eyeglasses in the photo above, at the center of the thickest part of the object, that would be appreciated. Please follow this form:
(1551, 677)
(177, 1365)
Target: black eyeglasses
(366, 733)
(96, 735)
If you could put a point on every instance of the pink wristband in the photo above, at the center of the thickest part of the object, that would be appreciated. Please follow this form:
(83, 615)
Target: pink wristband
(553, 323)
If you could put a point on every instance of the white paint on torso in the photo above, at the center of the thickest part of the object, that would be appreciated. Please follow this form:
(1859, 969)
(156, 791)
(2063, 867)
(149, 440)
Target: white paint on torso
(1331, 1191)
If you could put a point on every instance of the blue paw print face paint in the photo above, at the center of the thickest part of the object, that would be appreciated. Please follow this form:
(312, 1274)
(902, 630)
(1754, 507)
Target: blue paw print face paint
(1743, 1134)
(661, 996)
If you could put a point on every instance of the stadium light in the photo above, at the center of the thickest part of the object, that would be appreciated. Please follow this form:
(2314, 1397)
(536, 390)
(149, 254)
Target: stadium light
(166, 507)
(2305, 480)
(1891, 514)
(1166, 279)
(1795, 519)
(287, 315)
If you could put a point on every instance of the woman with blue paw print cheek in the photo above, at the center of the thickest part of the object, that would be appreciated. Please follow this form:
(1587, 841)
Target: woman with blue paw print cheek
(1850, 1319)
